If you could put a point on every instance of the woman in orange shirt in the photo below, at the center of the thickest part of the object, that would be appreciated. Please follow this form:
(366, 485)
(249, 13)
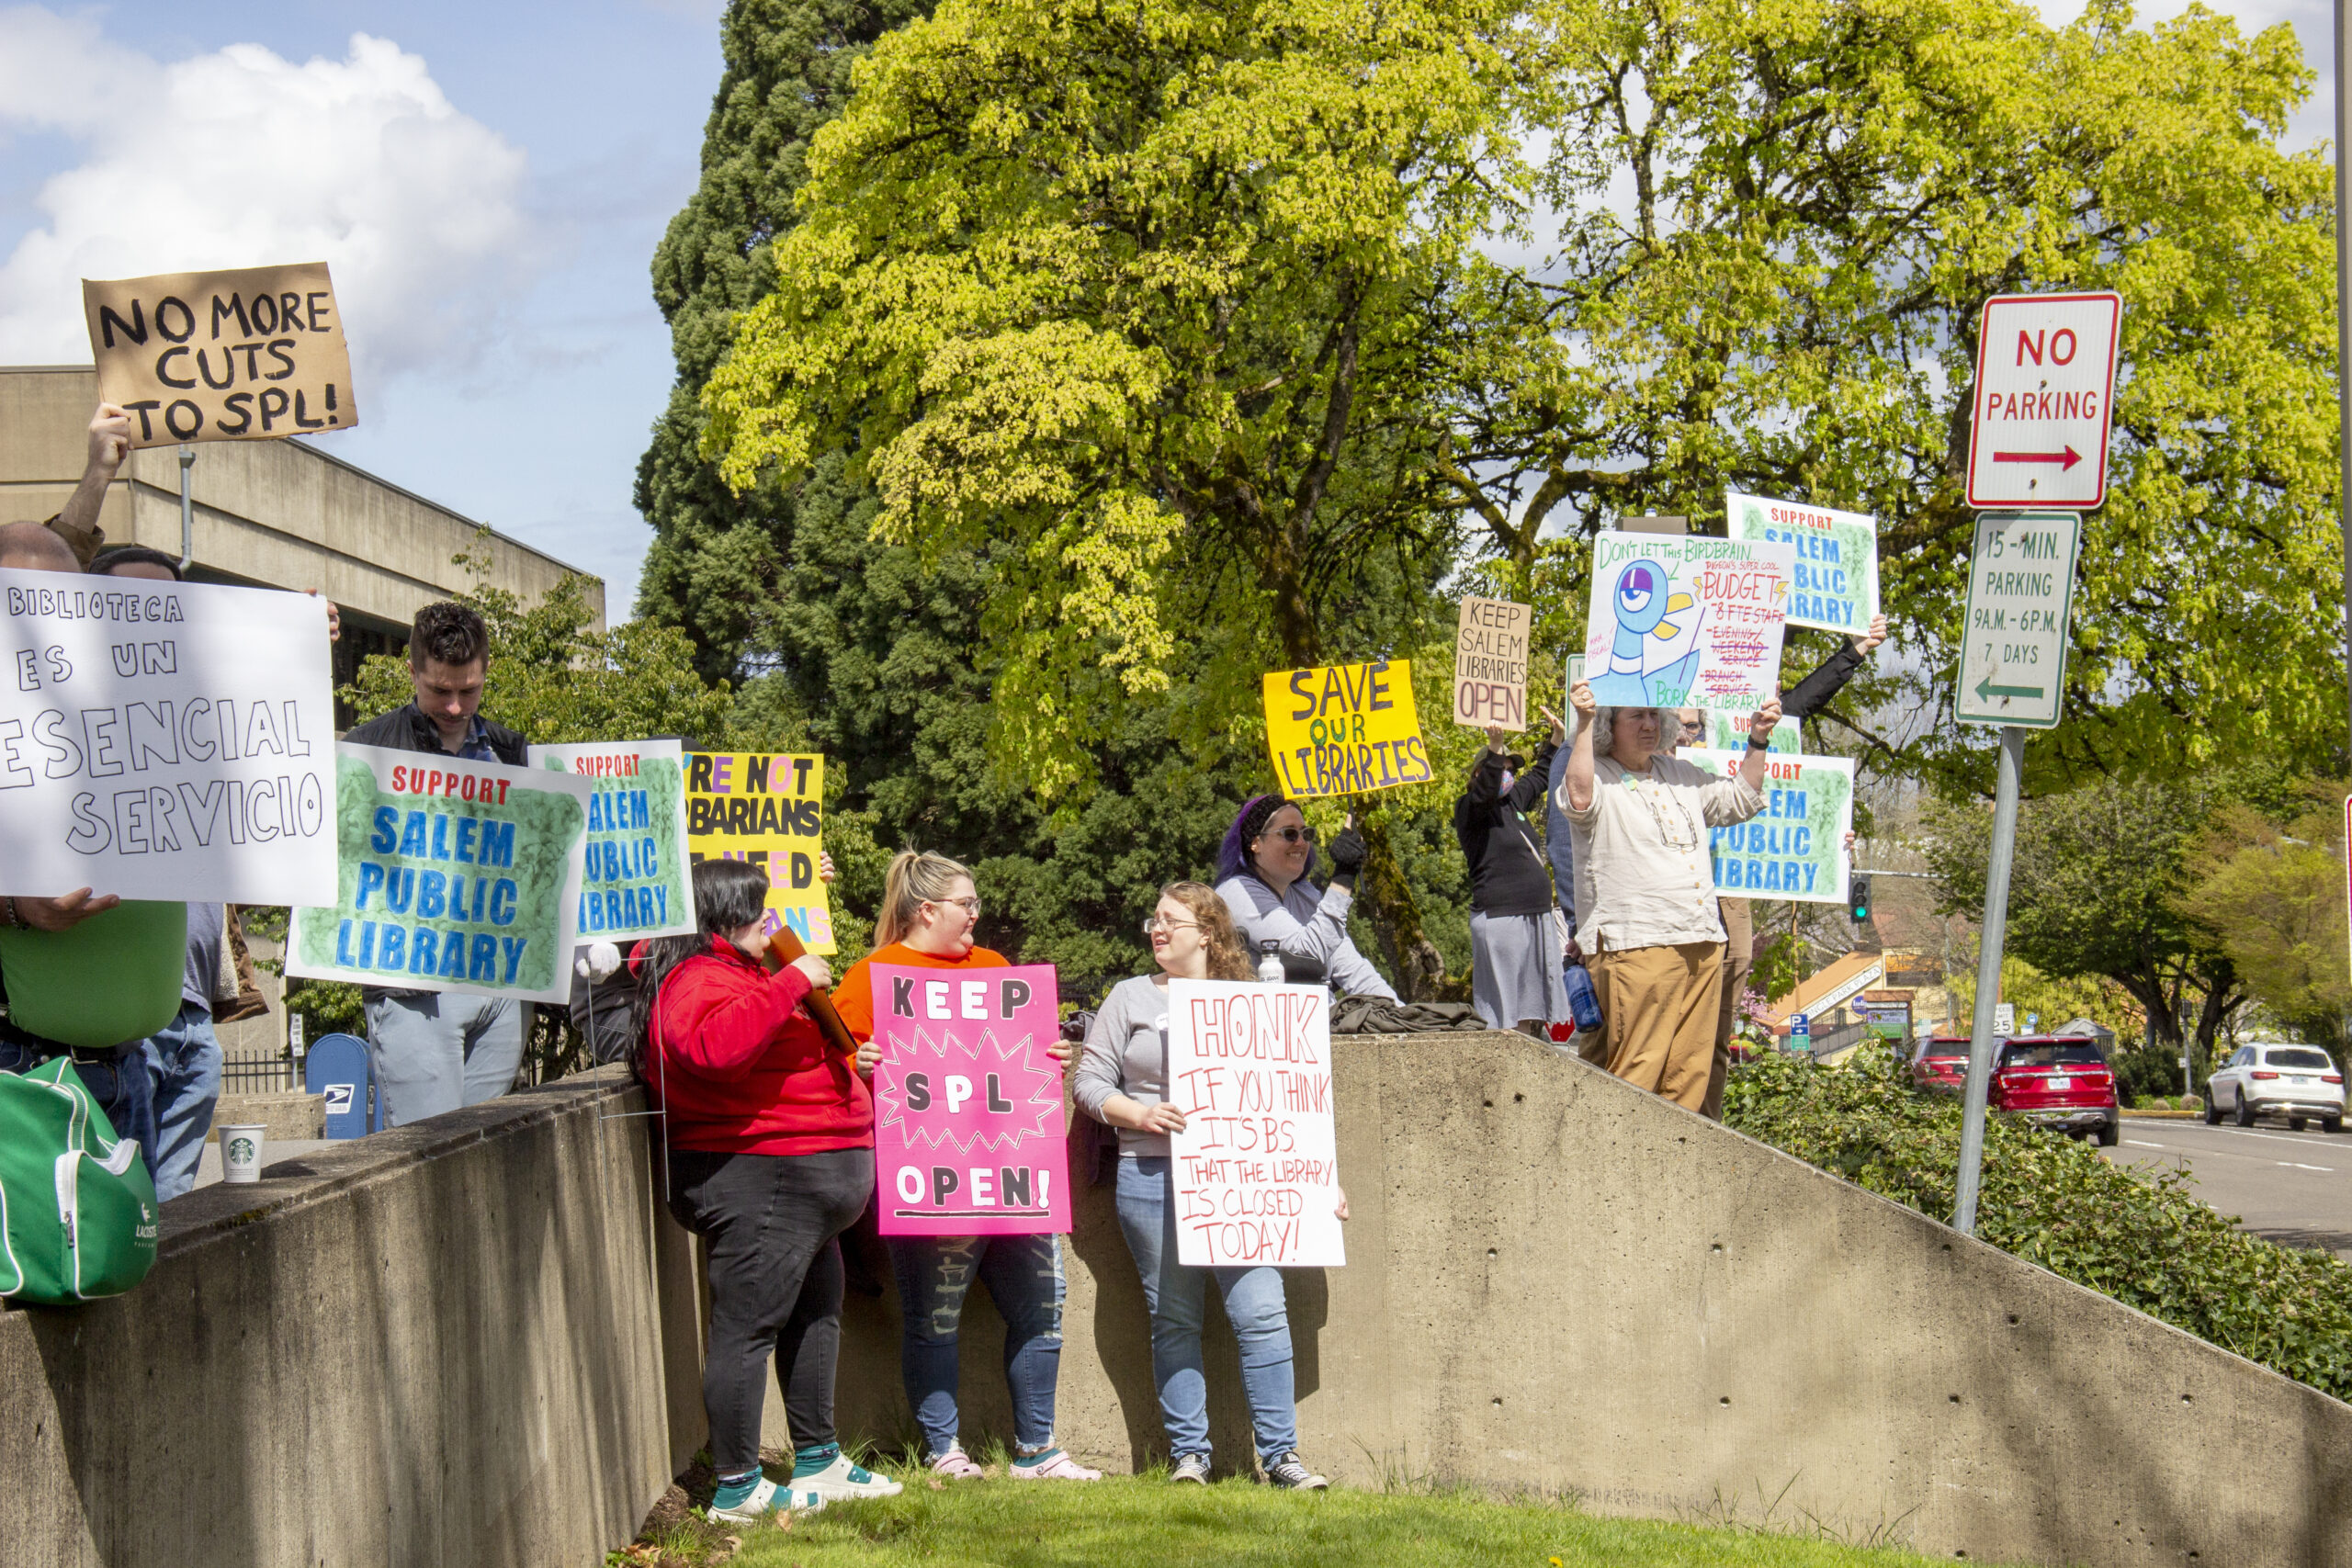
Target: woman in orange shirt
(930, 909)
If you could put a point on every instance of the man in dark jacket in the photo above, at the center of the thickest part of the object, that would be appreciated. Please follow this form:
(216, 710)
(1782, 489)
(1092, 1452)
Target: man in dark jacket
(1515, 937)
(435, 1051)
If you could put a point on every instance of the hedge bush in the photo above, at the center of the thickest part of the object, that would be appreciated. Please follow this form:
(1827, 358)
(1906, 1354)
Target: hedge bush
(2140, 1237)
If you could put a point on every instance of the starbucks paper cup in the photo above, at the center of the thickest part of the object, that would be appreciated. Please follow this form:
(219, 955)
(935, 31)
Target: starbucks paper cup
(240, 1153)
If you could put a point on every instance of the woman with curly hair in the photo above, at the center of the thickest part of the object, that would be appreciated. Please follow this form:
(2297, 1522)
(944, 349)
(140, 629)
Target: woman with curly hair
(1123, 1082)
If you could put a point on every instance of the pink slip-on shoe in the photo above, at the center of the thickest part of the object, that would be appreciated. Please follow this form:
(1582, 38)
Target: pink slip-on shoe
(956, 1465)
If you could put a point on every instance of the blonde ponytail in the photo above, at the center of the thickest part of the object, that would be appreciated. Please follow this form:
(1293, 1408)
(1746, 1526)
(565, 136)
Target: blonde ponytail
(916, 877)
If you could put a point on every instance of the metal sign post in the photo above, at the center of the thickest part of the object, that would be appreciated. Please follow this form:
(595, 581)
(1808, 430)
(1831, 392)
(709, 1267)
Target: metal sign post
(2040, 410)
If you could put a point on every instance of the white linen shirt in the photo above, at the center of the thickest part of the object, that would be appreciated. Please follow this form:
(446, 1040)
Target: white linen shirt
(1645, 876)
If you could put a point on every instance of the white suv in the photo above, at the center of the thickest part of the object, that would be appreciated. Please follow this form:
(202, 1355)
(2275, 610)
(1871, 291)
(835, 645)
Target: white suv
(2297, 1082)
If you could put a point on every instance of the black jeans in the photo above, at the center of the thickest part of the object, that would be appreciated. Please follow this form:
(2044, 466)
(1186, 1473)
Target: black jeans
(776, 1284)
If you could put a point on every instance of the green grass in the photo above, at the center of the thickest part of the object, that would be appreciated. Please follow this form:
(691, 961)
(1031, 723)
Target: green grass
(1238, 1523)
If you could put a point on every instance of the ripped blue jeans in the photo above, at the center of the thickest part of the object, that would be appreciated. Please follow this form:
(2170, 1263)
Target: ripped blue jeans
(1024, 1276)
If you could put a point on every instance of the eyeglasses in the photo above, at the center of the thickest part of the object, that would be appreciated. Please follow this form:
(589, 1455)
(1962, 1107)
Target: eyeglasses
(1291, 835)
(970, 906)
(1163, 923)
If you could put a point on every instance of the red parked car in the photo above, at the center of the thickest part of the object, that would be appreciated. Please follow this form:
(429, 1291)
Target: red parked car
(1941, 1063)
(2058, 1080)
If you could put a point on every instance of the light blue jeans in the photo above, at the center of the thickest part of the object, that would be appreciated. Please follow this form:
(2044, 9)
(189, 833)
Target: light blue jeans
(183, 1068)
(1024, 1276)
(435, 1051)
(1178, 1296)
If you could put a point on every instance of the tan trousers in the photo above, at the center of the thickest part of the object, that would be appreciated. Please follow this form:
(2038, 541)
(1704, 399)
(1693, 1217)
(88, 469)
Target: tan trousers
(1740, 958)
(1660, 1006)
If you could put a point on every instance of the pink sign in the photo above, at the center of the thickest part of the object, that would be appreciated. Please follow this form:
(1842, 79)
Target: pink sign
(967, 1107)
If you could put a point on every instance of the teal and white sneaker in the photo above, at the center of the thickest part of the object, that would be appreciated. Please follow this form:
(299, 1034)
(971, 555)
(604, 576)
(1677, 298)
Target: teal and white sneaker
(750, 1502)
(827, 1472)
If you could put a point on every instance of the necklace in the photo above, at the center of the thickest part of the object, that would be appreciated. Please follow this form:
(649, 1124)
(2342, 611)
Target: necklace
(1679, 833)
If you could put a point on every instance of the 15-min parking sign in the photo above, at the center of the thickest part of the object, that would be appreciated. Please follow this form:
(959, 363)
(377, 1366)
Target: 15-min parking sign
(2045, 381)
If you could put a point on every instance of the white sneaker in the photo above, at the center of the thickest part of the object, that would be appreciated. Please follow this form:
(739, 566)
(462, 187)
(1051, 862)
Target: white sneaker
(842, 1482)
(767, 1498)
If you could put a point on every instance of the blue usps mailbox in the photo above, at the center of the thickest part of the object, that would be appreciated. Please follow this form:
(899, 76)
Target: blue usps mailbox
(337, 1068)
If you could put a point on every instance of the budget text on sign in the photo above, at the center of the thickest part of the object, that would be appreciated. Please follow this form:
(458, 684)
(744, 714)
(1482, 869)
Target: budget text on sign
(2045, 386)
(251, 355)
(2020, 589)
(1686, 622)
(1490, 649)
(1256, 1168)
(165, 740)
(968, 1136)
(452, 875)
(766, 809)
(635, 878)
(1344, 729)
(1835, 585)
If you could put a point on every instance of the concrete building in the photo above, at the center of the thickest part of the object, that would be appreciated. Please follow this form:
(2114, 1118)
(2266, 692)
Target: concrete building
(267, 514)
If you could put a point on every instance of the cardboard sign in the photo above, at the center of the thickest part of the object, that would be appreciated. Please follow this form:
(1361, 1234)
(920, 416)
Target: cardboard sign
(1257, 1165)
(1491, 649)
(165, 740)
(968, 1138)
(767, 808)
(252, 355)
(636, 879)
(1686, 622)
(1344, 729)
(1794, 848)
(1836, 587)
(454, 876)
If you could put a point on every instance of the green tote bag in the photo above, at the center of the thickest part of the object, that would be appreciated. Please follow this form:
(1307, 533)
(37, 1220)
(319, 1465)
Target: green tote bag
(77, 1206)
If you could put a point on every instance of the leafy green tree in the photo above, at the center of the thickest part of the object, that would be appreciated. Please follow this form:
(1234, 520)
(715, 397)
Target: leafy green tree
(1776, 227)
(2271, 895)
(2096, 888)
(712, 566)
(1137, 295)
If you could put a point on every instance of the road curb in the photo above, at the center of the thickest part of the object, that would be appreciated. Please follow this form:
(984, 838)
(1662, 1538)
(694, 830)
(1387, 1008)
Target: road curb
(2162, 1115)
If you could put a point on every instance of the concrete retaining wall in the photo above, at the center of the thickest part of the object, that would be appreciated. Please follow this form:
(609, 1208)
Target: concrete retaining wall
(1556, 1282)
(475, 1341)
(443, 1345)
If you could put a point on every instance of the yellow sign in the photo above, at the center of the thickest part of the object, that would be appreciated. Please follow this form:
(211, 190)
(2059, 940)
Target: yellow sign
(767, 808)
(1344, 729)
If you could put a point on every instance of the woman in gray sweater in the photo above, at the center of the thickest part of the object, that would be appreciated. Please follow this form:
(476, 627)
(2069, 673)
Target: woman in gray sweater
(1123, 1082)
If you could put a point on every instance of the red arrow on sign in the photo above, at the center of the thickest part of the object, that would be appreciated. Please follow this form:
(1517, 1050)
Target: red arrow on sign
(2064, 460)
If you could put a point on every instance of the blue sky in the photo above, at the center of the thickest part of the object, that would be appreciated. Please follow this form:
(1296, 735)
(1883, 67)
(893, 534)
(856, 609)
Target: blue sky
(487, 179)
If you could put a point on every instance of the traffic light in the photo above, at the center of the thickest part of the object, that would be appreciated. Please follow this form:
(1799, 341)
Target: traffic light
(1858, 900)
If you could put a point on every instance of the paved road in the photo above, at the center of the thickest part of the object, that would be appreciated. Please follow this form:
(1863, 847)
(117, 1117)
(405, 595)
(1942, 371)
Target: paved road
(2294, 1188)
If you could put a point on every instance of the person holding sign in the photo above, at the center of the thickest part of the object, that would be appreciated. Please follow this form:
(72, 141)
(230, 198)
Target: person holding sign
(1805, 699)
(930, 908)
(1123, 1082)
(1261, 876)
(1651, 931)
(769, 1142)
(1515, 942)
(435, 1051)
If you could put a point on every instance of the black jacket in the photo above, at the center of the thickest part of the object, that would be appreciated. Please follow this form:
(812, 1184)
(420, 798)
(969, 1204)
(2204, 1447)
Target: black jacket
(1809, 695)
(408, 729)
(1508, 873)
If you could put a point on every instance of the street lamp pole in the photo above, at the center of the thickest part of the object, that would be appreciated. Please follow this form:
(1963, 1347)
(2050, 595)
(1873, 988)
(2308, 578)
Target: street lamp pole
(2344, 327)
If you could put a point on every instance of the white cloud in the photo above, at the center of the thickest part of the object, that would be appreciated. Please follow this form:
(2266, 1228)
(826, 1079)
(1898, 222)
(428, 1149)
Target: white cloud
(242, 158)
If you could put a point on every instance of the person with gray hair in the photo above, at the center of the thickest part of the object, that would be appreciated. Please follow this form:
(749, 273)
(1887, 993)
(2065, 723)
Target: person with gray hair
(1649, 929)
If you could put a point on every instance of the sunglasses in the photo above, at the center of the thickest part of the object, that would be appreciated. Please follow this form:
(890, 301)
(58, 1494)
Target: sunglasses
(1291, 835)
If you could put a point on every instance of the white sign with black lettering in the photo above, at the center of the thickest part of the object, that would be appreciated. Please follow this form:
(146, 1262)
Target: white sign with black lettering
(2020, 593)
(165, 740)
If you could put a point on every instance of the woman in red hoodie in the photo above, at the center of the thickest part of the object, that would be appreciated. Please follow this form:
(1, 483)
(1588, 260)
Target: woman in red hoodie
(770, 1140)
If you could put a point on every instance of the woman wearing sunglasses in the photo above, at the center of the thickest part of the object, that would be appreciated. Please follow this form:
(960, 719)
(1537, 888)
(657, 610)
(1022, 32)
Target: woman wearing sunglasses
(930, 908)
(1261, 876)
(1123, 1082)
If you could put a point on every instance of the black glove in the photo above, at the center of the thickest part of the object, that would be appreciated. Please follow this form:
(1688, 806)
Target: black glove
(1347, 856)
